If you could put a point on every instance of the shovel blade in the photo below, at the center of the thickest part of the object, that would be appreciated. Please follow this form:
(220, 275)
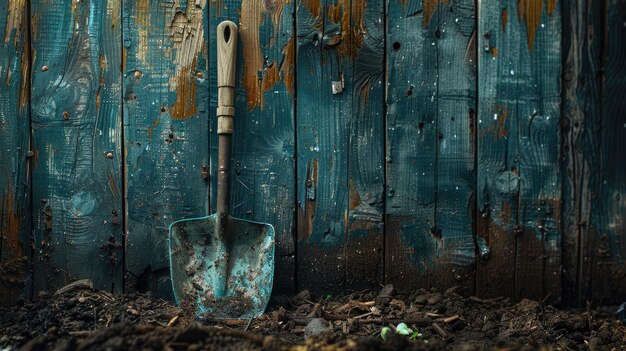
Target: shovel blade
(226, 276)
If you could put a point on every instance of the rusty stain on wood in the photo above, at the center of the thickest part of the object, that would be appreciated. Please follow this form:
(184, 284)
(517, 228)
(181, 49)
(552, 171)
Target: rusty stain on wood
(24, 85)
(504, 19)
(530, 10)
(430, 7)
(551, 7)
(355, 198)
(498, 129)
(11, 224)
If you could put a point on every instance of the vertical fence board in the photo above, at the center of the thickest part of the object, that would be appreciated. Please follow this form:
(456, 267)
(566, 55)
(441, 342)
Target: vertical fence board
(580, 141)
(456, 62)
(15, 216)
(323, 59)
(263, 142)
(519, 66)
(538, 106)
(166, 130)
(76, 125)
(608, 272)
(410, 257)
(498, 160)
(364, 245)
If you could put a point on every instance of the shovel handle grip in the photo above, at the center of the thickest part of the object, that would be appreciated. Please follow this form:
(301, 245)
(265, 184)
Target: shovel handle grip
(226, 60)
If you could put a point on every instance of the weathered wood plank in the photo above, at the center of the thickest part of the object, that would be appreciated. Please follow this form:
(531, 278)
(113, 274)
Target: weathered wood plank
(411, 144)
(538, 107)
(456, 110)
(366, 135)
(324, 58)
(608, 272)
(498, 149)
(165, 130)
(520, 85)
(76, 126)
(580, 141)
(263, 142)
(15, 219)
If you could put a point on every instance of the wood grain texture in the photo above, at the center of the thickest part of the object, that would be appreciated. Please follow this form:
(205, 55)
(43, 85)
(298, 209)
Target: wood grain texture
(411, 248)
(456, 112)
(608, 220)
(76, 128)
(322, 144)
(15, 240)
(580, 141)
(430, 159)
(366, 133)
(263, 141)
(165, 130)
(519, 185)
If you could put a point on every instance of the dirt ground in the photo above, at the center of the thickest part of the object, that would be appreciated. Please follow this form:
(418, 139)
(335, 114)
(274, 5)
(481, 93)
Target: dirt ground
(78, 317)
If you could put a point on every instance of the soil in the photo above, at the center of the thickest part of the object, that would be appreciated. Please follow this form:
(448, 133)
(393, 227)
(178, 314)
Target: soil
(77, 317)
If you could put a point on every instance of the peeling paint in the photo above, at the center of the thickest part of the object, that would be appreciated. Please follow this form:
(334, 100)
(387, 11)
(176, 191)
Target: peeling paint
(187, 35)
(185, 105)
(251, 20)
(15, 16)
(24, 86)
(505, 15)
(142, 23)
(288, 64)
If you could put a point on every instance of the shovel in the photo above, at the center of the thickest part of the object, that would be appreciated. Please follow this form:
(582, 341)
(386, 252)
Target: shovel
(222, 267)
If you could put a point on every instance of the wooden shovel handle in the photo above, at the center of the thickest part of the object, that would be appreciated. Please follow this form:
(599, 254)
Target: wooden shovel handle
(226, 60)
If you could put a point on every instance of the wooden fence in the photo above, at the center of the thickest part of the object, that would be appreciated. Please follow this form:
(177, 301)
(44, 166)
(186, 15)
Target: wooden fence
(428, 143)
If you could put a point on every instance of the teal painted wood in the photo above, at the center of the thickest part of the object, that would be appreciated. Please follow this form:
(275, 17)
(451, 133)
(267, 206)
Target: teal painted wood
(322, 145)
(76, 128)
(263, 141)
(410, 258)
(519, 86)
(456, 101)
(538, 107)
(366, 153)
(15, 241)
(498, 148)
(580, 142)
(165, 130)
(608, 220)
(430, 162)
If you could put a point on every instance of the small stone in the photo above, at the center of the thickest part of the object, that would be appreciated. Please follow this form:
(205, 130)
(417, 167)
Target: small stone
(387, 291)
(44, 68)
(315, 327)
(138, 74)
(109, 155)
(301, 297)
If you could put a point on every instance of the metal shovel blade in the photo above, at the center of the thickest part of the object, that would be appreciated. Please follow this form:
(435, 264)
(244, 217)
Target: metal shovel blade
(225, 275)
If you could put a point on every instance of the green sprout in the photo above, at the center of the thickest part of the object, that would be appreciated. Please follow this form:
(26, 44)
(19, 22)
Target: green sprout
(401, 329)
